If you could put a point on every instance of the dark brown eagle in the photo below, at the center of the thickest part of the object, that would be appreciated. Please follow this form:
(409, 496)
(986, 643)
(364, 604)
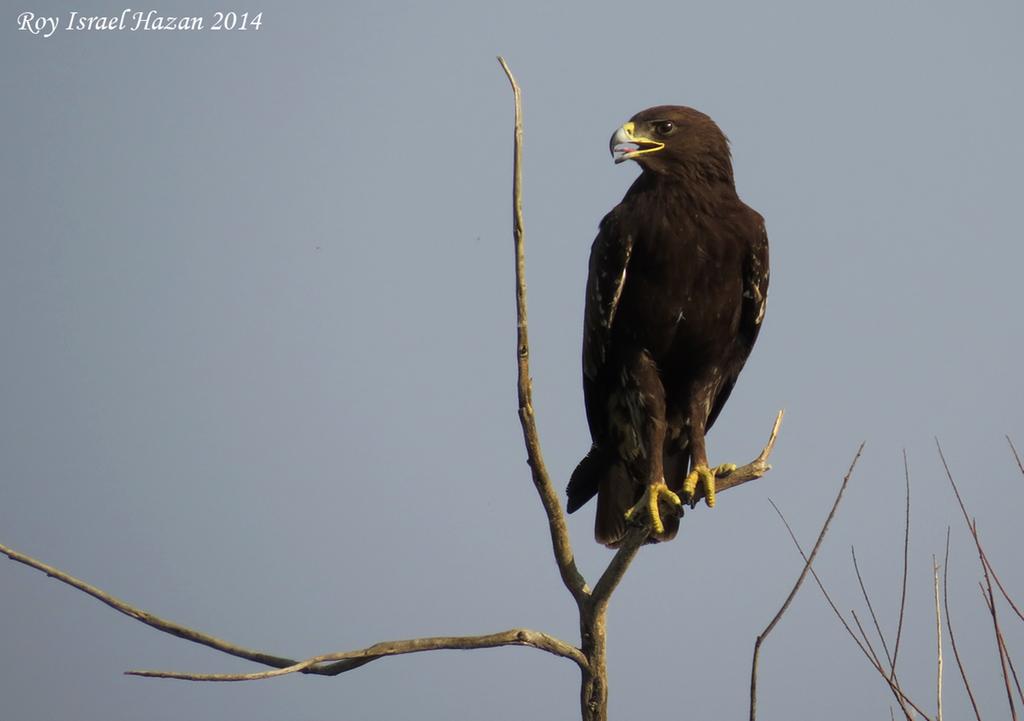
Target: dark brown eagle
(675, 298)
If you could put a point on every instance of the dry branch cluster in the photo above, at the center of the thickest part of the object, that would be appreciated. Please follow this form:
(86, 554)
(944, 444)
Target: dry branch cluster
(884, 657)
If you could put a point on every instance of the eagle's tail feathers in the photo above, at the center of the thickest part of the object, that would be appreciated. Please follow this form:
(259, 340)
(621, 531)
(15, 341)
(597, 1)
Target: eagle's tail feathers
(585, 479)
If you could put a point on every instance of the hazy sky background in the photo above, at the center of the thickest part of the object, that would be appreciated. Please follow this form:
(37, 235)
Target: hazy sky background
(256, 301)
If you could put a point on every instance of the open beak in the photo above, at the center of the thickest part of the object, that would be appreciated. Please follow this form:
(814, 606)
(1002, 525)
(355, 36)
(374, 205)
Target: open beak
(627, 145)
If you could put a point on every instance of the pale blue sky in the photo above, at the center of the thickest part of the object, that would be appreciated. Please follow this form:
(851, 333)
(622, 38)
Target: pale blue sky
(256, 295)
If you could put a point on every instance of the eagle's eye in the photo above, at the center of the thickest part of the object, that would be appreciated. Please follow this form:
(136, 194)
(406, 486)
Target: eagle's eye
(664, 127)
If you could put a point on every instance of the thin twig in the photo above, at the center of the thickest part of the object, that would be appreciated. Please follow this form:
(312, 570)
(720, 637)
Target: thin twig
(561, 546)
(949, 627)
(990, 602)
(871, 610)
(803, 574)
(1016, 455)
(751, 471)
(938, 642)
(1013, 669)
(865, 639)
(999, 585)
(906, 553)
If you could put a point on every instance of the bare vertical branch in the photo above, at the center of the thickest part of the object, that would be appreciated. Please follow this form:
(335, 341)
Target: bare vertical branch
(990, 602)
(799, 581)
(906, 553)
(1013, 669)
(561, 546)
(593, 684)
(938, 642)
(949, 627)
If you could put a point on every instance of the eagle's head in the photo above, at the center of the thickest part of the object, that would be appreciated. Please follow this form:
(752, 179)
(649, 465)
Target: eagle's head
(674, 140)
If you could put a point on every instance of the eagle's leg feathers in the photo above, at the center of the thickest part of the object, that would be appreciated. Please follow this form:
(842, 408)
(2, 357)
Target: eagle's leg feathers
(637, 413)
(706, 477)
(655, 494)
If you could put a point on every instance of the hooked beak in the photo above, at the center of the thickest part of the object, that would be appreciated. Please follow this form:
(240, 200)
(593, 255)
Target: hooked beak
(627, 145)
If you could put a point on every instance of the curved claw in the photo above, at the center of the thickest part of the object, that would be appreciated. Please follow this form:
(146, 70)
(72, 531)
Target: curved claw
(655, 493)
(706, 477)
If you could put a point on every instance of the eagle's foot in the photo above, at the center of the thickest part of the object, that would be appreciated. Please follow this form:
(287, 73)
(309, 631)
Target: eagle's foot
(706, 477)
(655, 494)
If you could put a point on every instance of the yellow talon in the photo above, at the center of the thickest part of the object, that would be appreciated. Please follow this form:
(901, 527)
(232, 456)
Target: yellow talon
(706, 476)
(655, 493)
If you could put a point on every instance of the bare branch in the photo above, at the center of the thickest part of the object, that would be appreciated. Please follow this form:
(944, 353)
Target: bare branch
(893, 679)
(148, 618)
(1016, 455)
(986, 565)
(1013, 669)
(990, 602)
(343, 661)
(866, 640)
(871, 610)
(560, 543)
(751, 471)
(323, 664)
(938, 642)
(906, 553)
(999, 585)
(1003, 650)
(617, 567)
(949, 627)
(807, 562)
